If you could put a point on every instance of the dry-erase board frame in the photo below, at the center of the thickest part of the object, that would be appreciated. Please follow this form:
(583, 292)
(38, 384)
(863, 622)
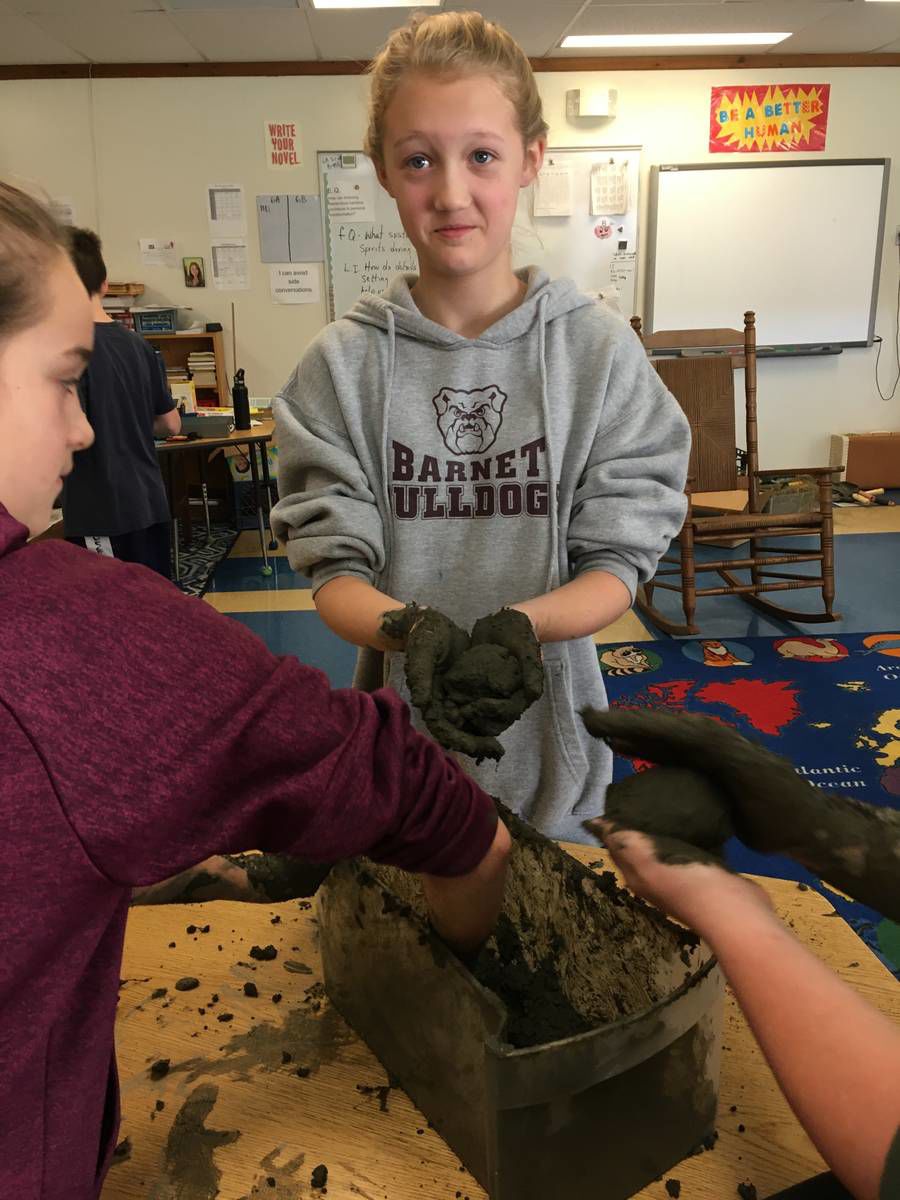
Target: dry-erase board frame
(362, 255)
(716, 229)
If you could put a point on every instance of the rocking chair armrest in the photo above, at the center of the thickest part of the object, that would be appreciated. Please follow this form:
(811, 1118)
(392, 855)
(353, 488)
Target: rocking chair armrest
(797, 471)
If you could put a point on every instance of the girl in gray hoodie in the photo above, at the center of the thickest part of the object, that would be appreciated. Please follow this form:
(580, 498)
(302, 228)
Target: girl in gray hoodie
(479, 437)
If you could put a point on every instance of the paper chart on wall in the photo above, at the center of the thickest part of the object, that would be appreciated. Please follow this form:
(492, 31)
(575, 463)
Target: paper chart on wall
(225, 210)
(231, 269)
(290, 228)
(553, 191)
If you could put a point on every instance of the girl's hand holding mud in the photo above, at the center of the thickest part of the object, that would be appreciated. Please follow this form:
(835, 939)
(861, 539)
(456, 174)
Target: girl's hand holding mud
(701, 895)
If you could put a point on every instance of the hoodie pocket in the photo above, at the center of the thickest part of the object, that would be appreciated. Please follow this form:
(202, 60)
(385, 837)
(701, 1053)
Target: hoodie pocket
(559, 696)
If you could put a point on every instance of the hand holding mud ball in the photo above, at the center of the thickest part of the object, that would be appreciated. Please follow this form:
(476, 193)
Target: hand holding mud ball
(735, 781)
(468, 689)
(711, 782)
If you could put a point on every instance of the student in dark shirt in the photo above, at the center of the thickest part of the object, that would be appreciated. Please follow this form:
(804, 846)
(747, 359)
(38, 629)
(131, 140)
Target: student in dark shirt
(114, 502)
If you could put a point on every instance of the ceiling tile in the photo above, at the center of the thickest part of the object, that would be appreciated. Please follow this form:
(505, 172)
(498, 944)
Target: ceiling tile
(84, 8)
(354, 35)
(247, 37)
(123, 37)
(734, 16)
(859, 28)
(23, 43)
(537, 27)
(221, 5)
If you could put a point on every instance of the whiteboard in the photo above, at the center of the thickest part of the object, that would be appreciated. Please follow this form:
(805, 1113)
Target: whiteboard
(798, 243)
(363, 256)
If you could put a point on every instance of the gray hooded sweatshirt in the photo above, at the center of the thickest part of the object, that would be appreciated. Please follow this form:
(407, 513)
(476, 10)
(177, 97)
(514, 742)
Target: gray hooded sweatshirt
(472, 473)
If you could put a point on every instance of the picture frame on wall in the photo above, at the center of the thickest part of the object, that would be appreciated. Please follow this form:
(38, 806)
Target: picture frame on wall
(194, 272)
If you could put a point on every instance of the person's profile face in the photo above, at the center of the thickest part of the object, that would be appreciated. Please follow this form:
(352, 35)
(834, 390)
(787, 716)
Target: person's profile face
(42, 424)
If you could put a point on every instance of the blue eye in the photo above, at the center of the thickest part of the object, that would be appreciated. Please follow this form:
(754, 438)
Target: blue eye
(483, 157)
(417, 161)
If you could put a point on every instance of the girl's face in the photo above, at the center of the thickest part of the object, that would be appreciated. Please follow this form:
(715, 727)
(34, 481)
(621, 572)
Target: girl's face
(454, 162)
(41, 420)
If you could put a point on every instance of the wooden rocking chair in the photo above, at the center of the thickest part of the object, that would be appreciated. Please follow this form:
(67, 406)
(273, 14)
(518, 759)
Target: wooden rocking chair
(704, 387)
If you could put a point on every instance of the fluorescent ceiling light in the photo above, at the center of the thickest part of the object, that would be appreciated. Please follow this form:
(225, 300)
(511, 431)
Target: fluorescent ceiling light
(619, 41)
(376, 3)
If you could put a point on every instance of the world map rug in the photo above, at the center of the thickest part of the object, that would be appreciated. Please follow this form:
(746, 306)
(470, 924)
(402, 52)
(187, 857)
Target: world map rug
(829, 704)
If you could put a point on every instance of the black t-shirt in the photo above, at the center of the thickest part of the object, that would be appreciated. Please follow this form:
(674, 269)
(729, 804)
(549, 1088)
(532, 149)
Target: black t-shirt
(116, 486)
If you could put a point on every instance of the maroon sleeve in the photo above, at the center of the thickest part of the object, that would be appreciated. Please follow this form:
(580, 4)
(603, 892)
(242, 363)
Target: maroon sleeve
(172, 733)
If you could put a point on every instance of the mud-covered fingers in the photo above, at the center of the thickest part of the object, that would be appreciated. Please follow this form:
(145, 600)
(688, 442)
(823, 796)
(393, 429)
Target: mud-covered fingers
(397, 623)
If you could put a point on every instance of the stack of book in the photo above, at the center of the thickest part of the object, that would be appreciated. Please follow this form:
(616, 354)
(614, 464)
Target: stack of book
(119, 301)
(202, 366)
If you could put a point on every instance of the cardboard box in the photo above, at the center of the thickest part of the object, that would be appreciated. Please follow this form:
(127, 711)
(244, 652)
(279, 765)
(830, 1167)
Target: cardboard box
(870, 459)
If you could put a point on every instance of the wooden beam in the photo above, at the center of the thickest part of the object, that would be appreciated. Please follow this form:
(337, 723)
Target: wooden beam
(673, 62)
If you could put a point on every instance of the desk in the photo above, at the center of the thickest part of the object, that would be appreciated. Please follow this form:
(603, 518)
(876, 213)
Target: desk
(255, 438)
(374, 1142)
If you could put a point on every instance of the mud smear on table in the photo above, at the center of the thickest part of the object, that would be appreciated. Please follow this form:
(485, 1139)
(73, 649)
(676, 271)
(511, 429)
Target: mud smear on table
(311, 1034)
(189, 1160)
(280, 1183)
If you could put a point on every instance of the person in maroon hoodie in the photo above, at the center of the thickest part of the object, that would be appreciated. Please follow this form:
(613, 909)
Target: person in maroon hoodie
(141, 732)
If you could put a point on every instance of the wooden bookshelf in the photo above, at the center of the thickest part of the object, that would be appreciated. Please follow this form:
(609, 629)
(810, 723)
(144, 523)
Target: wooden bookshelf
(175, 348)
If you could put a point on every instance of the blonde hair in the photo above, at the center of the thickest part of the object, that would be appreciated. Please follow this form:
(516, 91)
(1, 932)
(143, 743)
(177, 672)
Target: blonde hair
(453, 43)
(30, 240)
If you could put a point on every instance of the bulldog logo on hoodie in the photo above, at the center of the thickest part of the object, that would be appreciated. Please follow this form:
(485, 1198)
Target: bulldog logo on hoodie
(469, 420)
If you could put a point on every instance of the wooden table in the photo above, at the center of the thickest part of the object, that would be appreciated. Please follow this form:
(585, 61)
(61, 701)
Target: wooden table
(239, 1076)
(254, 438)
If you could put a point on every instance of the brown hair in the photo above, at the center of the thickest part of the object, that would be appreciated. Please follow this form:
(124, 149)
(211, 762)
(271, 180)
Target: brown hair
(30, 239)
(453, 43)
(86, 252)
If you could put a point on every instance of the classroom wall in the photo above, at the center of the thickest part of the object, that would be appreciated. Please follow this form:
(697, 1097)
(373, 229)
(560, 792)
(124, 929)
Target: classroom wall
(136, 154)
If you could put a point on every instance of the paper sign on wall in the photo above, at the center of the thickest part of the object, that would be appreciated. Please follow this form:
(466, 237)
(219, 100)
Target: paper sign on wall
(350, 196)
(295, 283)
(158, 252)
(225, 210)
(553, 191)
(774, 118)
(63, 208)
(231, 269)
(290, 228)
(282, 145)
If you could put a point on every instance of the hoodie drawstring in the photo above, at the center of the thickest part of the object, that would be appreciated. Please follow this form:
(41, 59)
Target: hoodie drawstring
(553, 564)
(385, 479)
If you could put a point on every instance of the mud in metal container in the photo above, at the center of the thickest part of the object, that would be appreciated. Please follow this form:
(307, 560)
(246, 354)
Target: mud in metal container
(601, 1113)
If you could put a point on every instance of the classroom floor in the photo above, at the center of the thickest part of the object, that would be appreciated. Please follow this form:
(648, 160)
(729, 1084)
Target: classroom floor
(279, 608)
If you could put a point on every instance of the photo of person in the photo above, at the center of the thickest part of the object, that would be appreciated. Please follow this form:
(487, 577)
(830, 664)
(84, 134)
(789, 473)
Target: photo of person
(193, 272)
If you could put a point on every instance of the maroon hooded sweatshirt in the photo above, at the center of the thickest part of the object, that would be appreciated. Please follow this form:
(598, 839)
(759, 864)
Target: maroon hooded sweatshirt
(140, 732)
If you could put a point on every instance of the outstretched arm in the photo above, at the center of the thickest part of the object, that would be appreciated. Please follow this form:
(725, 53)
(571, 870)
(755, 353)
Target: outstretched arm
(836, 1058)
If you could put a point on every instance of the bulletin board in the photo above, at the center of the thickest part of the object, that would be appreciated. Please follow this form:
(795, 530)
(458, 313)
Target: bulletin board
(365, 245)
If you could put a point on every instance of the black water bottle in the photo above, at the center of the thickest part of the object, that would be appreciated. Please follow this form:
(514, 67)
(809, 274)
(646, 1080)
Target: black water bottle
(240, 399)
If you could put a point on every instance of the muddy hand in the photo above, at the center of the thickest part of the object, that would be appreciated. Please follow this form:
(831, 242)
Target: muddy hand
(449, 735)
(681, 884)
(432, 642)
(514, 631)
(772, 808)
(683, 811)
